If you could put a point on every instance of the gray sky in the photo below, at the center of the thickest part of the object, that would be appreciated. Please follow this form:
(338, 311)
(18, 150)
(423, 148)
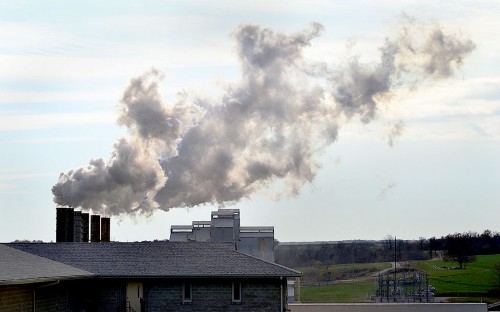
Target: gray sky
(329, 120)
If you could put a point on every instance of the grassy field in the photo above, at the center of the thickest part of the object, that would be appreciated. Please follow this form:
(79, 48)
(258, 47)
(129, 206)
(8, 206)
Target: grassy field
(311, 275)
(479, 277)
(474, 284)
(343, 290)
(340, 293)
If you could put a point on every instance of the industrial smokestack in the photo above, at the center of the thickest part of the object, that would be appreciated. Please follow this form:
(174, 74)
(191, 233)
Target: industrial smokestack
(85, 227)
(64, 224)
(77, 226)
(95, 228)
(105, 229)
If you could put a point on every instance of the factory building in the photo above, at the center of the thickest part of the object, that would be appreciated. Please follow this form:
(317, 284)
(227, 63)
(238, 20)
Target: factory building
(224, 227)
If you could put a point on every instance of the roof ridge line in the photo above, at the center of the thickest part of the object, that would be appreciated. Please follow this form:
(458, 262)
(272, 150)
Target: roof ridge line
(268, 262)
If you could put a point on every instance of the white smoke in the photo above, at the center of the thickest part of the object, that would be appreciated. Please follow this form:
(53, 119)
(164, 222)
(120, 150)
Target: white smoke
(383, 193)
(268, 126)
(395, 131)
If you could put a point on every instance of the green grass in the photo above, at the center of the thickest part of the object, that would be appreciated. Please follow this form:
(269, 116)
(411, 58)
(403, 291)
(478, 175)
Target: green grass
(478, 279)
(339, 293)
(342, 271)
(475, 284)
(345, 291)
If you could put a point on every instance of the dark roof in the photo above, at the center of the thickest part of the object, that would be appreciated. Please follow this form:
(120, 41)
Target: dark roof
(157, 259)
(17, 266)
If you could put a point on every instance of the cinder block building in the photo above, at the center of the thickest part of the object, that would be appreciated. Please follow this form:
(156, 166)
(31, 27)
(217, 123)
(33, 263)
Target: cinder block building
(145, 276)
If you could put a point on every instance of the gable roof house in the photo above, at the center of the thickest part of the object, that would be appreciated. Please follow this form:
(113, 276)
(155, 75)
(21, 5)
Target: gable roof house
(141, 276)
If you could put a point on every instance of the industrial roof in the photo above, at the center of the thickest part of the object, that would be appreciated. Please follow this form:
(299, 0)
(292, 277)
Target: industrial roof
(19, 267)
(157, 259)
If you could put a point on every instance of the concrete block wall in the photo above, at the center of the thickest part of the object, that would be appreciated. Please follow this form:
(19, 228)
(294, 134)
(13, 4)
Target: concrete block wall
(52, 298)
(266, 295)
(111, 295)
(213, 295)
(16, 298)
(47, 298)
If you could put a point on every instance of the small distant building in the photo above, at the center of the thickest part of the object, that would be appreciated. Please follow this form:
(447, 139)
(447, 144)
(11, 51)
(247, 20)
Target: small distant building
(224, 226)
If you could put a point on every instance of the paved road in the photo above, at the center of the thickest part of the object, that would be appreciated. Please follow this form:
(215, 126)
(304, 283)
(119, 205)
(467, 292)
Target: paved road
(391, 269)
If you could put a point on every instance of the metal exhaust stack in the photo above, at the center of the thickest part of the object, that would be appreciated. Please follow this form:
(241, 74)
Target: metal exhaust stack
(85, 227)
(95, 228)
(65, 224)
(105, 229)
(77, 226)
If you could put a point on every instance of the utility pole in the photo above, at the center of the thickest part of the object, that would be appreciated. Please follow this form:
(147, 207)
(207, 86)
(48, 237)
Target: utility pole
(395, 267)
(352, 264)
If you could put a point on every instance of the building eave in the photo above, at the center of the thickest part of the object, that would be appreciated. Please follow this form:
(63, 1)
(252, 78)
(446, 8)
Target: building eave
(36, 280)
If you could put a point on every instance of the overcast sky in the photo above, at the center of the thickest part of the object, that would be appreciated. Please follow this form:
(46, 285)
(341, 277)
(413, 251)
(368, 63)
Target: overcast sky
(423, 161)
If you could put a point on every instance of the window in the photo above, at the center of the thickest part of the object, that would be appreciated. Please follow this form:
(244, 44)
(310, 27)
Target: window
(236, 292)
(187, 293)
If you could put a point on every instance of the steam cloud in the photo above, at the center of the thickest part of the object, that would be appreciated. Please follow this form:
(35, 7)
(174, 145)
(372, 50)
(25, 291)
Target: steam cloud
(268, 126)
(394, 132)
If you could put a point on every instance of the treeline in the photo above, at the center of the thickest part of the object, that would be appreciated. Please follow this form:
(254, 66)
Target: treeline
(486, 243)
(458, 247)
(304, 255)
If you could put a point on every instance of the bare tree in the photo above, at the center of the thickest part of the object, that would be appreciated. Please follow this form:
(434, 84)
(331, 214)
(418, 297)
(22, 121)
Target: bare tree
(459, 249)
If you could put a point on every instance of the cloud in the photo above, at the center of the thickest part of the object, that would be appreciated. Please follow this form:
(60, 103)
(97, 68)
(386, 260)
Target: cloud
(23, 176)
(46, 140)
(13, 180)
(18, 97)
(19, 121)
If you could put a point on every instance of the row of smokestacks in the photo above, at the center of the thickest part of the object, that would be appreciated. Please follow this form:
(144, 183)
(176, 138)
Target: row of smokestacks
(73, 226)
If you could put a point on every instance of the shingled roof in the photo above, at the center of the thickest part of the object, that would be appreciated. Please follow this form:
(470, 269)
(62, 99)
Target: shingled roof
(19, 267)
(157, 259)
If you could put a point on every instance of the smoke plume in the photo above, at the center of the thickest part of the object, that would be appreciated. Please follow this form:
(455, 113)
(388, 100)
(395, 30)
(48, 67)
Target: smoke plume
(395, 131)
(268, 126)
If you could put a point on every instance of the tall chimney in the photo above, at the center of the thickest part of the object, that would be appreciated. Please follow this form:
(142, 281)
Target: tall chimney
(95, 228)
(105, 229)
(77, 226)
(65, 224)
(85, 227)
